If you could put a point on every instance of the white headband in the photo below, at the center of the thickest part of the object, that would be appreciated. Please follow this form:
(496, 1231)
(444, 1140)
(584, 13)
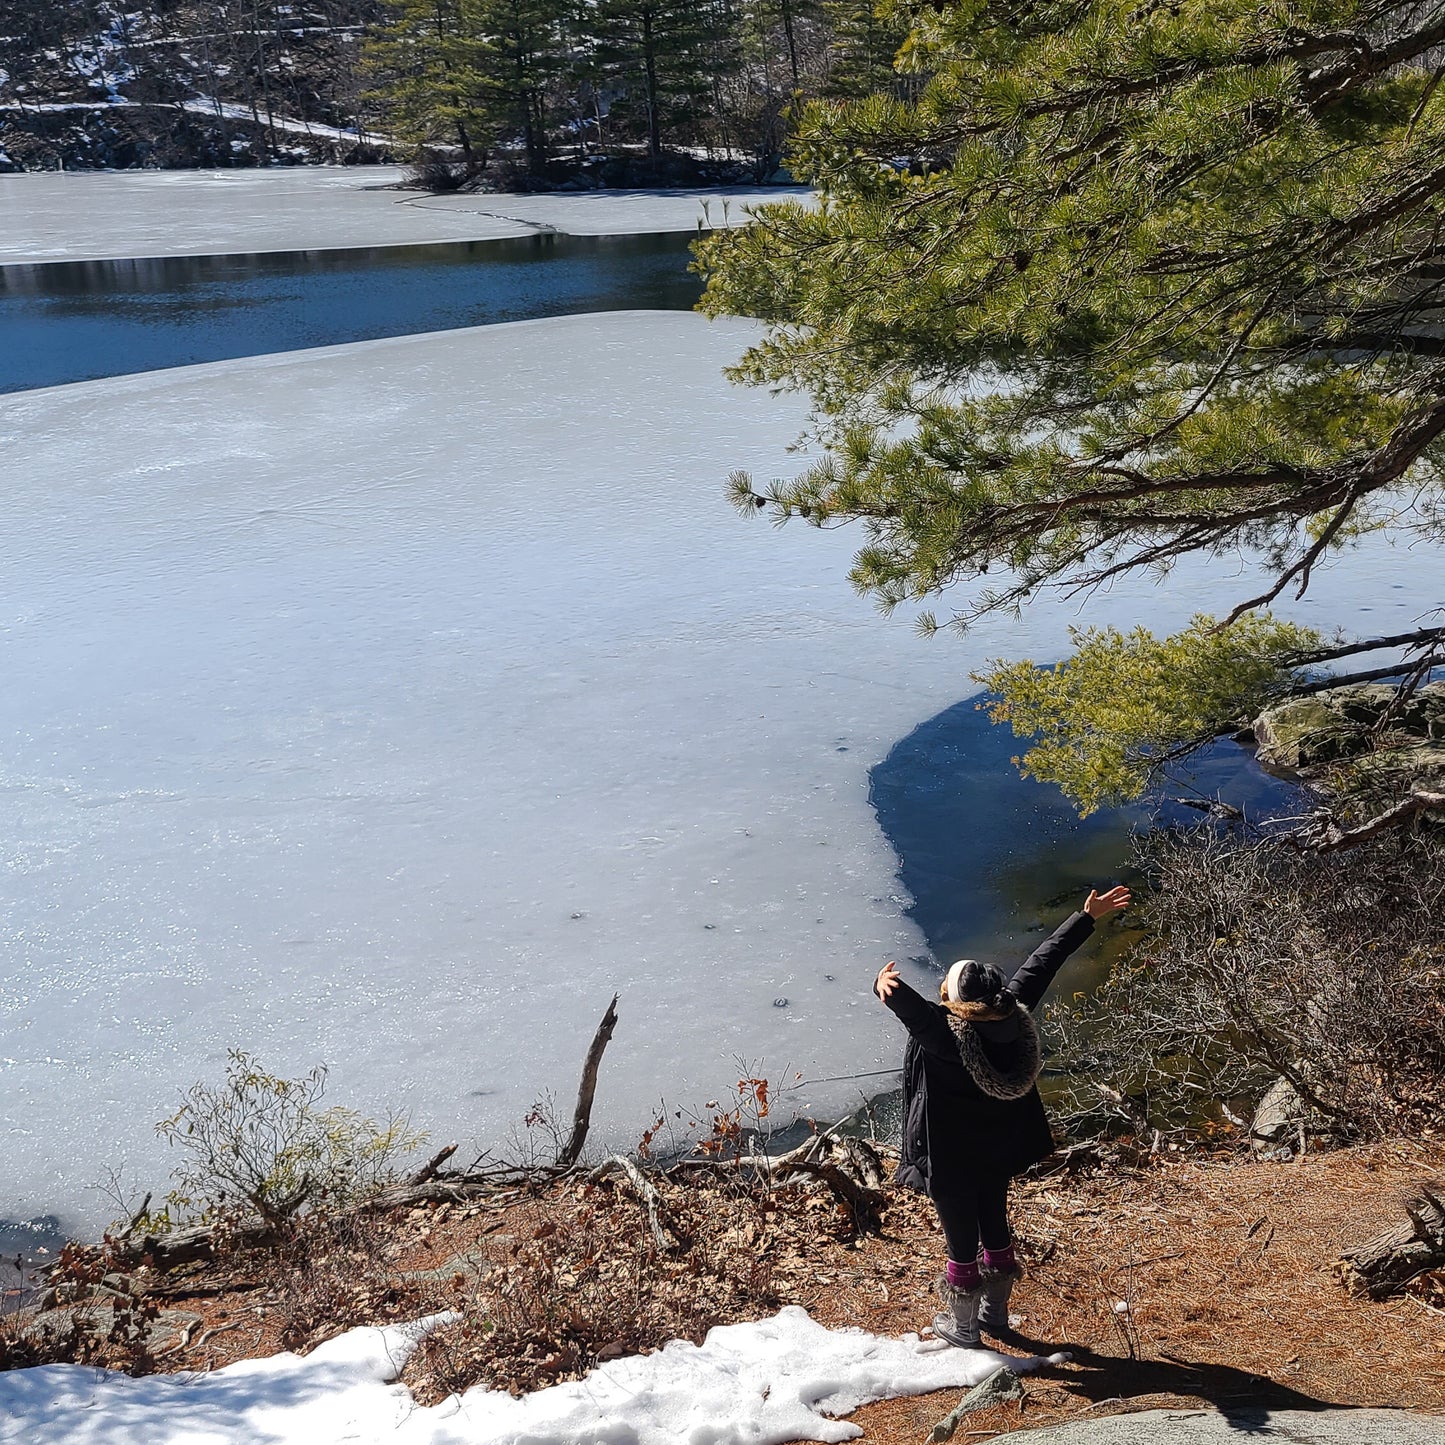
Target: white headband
(952, 977)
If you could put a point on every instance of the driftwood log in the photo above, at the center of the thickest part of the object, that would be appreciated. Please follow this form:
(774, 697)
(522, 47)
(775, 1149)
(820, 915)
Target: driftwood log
(586, 1091)
(1382, 1266)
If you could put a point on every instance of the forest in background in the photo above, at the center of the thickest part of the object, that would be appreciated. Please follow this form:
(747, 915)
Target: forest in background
(537, 91)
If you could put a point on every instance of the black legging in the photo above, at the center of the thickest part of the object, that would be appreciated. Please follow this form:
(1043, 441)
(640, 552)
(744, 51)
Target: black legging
(971, 1215)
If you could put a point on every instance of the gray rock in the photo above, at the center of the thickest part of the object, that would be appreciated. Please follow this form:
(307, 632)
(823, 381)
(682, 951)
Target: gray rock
(1204, 1427)
(469, 1266)
(1277, 1117)
(1304, 735)
(994, 1389)
(95, 1318)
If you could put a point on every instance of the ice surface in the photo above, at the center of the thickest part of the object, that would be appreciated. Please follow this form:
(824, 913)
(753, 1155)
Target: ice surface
(619, 213)
(93, 215)
(763, 1383)
(393, 704)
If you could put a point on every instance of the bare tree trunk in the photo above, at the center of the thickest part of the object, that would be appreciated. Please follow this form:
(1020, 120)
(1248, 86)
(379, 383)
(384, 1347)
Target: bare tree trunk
(649, 61)
(787, 7)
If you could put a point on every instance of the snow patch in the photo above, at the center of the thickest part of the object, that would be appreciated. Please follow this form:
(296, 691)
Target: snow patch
(763, 1383)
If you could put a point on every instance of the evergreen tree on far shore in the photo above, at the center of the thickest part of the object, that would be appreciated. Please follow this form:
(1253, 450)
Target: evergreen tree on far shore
(429, 65)
(525, 55)
(863, 48)
(655, 53)
(470, 73)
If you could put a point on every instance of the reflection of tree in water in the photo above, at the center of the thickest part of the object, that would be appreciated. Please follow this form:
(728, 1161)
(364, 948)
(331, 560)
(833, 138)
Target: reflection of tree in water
(80, 320)
(986, 856)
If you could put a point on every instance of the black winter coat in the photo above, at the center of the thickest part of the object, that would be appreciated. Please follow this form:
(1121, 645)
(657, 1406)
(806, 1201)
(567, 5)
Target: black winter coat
(953, 1133)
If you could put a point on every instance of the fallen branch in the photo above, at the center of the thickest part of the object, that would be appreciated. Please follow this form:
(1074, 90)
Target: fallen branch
(1331, 837)
(429, 1169)
(188, 1246)
(183, 1341)
(582, 1115)
(866, 1204)
(1382, 1266)
(649, 1196)
(135, 1219)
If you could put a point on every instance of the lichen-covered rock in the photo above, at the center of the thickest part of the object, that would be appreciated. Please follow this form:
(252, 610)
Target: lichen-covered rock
(1304, 735)
(995, 1389)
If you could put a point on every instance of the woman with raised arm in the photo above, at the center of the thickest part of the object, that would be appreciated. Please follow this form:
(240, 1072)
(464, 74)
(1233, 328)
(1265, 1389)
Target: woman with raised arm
(972, 1116)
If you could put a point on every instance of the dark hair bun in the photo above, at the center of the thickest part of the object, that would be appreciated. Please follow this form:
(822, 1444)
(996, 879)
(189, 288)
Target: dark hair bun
(981, 983)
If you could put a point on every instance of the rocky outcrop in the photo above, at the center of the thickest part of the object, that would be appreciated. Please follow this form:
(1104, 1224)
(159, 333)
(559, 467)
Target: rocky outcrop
(1195, 1427)
(1308, 736)
(1278, 1121)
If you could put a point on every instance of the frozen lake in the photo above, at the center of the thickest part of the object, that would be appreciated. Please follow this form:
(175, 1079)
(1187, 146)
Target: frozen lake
(90, 215)
(392, 704)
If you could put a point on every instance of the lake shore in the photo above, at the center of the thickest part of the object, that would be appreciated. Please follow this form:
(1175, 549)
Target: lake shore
(1201, 1282)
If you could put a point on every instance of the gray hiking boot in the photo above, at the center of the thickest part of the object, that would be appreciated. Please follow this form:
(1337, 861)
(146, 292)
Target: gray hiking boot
(996, 1287)
(958, 1324)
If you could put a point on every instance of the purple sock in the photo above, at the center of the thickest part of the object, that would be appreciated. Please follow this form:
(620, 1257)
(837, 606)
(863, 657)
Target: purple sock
(962, 1276)
(1001, 1260)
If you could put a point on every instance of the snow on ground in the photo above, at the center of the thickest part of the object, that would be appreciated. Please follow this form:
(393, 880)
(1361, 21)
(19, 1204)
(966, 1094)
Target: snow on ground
(392, 704)
(764, 1383)
(201, 105)
(97, 215)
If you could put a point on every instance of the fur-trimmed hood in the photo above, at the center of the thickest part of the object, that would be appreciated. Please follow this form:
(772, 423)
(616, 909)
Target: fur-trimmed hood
(1025, 1056)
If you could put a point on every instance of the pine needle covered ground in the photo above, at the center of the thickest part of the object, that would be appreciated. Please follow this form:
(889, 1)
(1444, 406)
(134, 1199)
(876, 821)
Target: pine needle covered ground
(1183, 1282)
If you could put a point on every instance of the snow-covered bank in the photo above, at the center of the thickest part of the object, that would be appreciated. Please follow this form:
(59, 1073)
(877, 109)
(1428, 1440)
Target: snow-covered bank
(776, 1380)
(198, 106)
(62, 216)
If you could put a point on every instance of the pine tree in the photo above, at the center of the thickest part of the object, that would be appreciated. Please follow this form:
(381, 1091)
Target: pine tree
(864, 44)
(470, 72)
(523, 56)
(656, 51)
(430, 68)
(1152, 280)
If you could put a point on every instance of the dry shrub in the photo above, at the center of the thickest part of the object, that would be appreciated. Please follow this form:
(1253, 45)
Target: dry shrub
(93, 1309)
(260, 1143)
(1263, 962)
(441, 172)
(336, 1270)
(588, 1285)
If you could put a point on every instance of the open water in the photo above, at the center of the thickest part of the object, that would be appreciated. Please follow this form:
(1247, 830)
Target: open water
(78, 320)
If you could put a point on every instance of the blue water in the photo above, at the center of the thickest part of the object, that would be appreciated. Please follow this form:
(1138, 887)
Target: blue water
(78, 320)
(990, 860)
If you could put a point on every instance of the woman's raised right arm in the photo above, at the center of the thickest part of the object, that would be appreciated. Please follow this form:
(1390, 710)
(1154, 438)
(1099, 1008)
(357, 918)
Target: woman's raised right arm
(913, 1011)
